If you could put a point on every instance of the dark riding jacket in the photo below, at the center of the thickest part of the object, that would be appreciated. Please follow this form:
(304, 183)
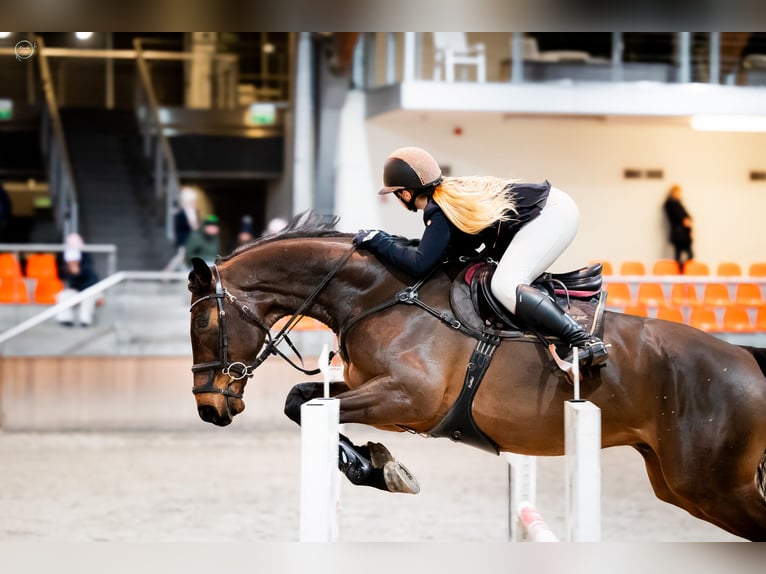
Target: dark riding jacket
(442, 240)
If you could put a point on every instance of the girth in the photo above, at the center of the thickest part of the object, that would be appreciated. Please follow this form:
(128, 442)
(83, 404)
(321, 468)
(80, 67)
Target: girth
(458, 424)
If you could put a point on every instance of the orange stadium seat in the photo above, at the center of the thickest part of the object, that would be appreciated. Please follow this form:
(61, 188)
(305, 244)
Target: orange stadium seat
(303, 324)
(737, 319)
(704, 319)
(9, 265)
(666, 267)
(728, 269)
(40, 265)
(757, 269)
(716, 295)
(651, 294)
(46, 290)
(638, 310)
(13, 290)
(632, 268)
(673, 314)
(760, 318)
(619, 295)
(606, 266)
(748, 294)
(693, 267)
(683, 294)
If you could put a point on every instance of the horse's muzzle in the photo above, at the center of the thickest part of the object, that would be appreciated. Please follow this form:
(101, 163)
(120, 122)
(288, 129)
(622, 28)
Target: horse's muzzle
(210, 414)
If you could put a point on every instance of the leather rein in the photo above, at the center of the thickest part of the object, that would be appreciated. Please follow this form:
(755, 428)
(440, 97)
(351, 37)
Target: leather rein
(237, 370)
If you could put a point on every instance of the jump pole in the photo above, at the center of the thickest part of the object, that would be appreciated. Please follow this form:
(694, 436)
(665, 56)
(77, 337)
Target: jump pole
(582, 447)
(320, 479)
(524, 521)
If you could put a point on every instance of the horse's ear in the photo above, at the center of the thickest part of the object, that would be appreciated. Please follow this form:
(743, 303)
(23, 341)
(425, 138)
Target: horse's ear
(200, 276)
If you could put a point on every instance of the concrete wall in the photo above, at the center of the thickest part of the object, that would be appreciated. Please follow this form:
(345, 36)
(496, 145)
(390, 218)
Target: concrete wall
(620, 219)
(128, 393)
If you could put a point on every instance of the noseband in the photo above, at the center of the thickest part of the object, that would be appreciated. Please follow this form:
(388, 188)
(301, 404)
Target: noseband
(238, 370)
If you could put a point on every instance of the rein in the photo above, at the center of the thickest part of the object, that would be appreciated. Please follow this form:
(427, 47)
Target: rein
(238, 370)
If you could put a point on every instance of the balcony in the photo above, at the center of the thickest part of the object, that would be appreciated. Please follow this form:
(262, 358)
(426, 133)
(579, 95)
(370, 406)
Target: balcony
(694, 73)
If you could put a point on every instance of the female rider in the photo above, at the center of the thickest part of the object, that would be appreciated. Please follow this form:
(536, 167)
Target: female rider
(525, 227)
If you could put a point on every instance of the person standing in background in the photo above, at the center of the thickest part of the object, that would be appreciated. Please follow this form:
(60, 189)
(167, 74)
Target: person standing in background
(680, 226)
(205, 243)
(185, 221)
(245, 234)
(78, 273)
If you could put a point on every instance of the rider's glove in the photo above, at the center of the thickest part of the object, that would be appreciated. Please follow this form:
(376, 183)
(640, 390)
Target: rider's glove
(364, 235)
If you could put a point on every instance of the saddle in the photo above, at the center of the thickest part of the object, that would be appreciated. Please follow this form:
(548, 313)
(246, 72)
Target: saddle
(580, 293)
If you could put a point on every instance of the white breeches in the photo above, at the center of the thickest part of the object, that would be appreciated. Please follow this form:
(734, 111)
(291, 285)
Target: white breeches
(84, 310)
(536, 246)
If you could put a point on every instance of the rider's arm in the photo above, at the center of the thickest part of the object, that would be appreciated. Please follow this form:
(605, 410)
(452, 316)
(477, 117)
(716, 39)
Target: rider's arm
(415, 260)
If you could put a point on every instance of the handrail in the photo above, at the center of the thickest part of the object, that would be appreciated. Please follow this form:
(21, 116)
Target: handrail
(96, 289)
(163, 151)
(110, 249)
(63, 186)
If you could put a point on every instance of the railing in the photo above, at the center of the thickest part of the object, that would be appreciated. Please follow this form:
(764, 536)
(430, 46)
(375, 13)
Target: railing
(63, 188)
(680, 57)
(92, 291)
(166, 182)
(108, 249)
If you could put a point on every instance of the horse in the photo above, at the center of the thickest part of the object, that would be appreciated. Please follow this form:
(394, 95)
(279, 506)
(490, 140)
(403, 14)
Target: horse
(693, 405)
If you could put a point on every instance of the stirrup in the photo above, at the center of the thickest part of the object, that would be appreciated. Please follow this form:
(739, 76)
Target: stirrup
(595, 355)
(592, 354)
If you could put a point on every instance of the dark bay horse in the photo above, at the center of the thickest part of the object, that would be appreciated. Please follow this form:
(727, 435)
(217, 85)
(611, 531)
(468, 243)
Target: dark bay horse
(693, 406)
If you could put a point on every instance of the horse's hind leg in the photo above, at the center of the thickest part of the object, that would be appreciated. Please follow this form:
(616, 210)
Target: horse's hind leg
(369, 465)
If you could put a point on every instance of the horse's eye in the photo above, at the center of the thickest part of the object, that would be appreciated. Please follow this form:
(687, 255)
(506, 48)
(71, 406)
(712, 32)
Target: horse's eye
(201, 322)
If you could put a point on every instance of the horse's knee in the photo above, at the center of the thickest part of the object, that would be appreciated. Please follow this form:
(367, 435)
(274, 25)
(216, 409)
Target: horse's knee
(299, 394)
(304, 392)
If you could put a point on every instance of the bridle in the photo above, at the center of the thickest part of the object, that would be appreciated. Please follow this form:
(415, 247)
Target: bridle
(237, 370)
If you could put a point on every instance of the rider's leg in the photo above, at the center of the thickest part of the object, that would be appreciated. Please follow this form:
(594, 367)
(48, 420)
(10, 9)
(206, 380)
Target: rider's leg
(535, 248)
(541, 313)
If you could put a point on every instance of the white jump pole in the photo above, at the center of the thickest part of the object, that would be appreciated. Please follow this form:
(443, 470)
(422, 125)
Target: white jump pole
(320, 479)
(582, 446)
(524, 521)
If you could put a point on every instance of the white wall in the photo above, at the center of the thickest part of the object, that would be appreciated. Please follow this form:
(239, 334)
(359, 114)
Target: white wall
(620, 219)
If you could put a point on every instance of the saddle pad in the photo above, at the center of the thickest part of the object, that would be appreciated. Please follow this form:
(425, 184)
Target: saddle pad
(588, 313)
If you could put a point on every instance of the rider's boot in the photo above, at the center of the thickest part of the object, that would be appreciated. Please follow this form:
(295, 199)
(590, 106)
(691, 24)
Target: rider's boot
(373, 465)
(541, 313)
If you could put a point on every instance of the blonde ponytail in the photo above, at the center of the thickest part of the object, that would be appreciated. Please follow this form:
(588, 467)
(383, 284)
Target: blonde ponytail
(474, 203)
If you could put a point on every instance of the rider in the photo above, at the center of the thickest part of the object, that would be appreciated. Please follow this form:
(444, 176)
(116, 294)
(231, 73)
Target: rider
(523, 226)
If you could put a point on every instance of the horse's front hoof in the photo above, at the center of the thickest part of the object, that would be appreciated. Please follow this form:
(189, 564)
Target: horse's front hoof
(399, 479)
(379, 454)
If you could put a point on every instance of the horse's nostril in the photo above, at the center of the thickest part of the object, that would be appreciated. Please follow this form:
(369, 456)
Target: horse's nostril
(207, 413)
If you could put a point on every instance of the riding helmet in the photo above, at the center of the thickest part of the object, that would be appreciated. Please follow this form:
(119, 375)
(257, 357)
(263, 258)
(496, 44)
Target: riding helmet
(410, 168)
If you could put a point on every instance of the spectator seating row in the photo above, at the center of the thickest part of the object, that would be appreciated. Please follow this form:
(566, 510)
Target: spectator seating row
(40, 275)
(657, 294)
(733, 319)
(691, 267)
(729, 297)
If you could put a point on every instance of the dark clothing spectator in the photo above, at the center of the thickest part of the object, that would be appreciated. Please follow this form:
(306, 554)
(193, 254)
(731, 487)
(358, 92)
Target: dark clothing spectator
(680, 226)
(204, 243)
(77, 271)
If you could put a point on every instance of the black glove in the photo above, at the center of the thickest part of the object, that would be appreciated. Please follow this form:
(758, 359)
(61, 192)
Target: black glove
(364, 235)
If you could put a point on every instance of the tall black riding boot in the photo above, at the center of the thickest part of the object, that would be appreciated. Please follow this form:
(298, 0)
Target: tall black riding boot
(541, 313)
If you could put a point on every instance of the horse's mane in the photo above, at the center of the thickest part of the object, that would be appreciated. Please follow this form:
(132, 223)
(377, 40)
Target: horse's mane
(306, 224)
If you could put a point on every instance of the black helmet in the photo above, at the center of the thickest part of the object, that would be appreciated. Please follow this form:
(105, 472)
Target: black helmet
(410, 168)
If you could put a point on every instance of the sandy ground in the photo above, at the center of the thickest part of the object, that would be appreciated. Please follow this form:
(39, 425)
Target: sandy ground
(243, 486)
